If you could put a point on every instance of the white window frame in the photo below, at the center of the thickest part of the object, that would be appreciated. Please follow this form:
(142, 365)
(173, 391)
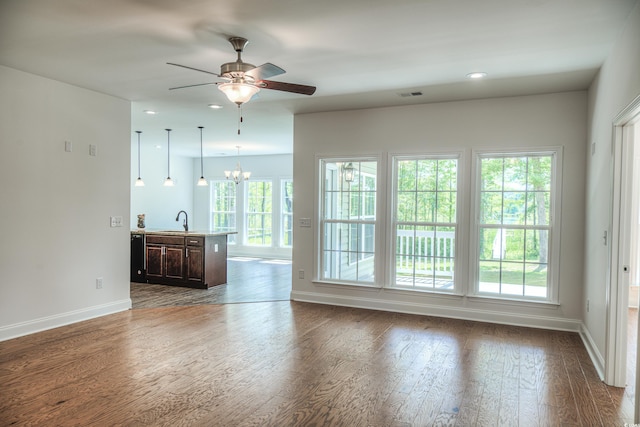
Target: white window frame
(379, 253)
(285, 214)
(246, 185)
(555, 220)
(234, 213)
(459, 242)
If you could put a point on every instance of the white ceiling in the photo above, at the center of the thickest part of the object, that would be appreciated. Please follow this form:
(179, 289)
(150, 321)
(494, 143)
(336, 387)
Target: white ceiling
(358, 53)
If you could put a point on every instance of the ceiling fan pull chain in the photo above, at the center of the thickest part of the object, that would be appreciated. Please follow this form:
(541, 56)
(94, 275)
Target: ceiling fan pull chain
(239, 118)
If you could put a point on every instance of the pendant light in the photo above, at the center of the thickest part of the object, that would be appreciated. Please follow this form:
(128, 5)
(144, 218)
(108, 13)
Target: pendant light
(202, 182)
(168, 182)
(139, 181)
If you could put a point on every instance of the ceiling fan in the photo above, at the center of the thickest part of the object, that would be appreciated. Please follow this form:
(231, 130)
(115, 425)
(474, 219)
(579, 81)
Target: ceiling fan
(244, 80)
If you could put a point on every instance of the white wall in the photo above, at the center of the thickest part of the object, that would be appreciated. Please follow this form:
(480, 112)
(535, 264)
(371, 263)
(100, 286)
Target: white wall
(530, 121)
(273, 167)
(160, 204)
(54, 220)
(616, 85)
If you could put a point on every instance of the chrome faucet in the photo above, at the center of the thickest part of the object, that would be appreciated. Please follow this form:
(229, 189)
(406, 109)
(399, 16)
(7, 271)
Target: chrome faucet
(185, 224)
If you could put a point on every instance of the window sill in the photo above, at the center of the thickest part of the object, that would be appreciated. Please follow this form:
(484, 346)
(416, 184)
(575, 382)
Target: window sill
(337, 284)
(514, 302)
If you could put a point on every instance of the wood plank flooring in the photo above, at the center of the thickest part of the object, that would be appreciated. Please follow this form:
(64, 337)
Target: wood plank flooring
(282, 363)
(248, 280)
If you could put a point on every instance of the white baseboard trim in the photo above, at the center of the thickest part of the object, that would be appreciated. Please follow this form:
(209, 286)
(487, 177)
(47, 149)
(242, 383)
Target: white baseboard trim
(592, 350)
(463, 313)
(42, 324)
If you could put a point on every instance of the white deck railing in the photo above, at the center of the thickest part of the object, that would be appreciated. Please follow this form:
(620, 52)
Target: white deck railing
(423, 253)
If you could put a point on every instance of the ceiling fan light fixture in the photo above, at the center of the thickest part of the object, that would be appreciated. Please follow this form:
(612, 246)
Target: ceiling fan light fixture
(239, 92)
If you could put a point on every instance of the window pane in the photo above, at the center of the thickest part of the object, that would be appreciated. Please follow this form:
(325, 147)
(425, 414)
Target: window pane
(406, 175)
(427, 175)
(491, 174)
(515, 173)
(286, 226)
(406, 209)
(512, 259)
(258, 217)
(535, 280)
(426, 206)
(348, 221)
(425, 253)
(490, 208)
(446, 207)
(223, 208)
(538, 206)
(447, 175)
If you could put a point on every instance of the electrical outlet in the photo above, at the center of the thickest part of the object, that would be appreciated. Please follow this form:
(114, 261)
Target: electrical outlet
(93, 150)
(300, 274)
(99, 283)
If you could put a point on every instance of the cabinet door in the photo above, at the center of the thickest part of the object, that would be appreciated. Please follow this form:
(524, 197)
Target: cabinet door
(155, 264)
(174, 259)
(195, 263)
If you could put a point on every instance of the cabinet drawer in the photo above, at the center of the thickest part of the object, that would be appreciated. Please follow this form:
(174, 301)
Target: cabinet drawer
(165, 240)
(194, 241)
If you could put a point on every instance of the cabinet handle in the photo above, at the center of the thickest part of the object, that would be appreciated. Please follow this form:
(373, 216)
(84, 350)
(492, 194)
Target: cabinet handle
(187, 253)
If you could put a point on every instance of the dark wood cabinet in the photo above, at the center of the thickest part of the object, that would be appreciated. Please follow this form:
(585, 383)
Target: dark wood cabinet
(165, 257)
(194, 261)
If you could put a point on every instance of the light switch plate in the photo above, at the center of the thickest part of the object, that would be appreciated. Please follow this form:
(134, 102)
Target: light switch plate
(305, 222)
(116, 221)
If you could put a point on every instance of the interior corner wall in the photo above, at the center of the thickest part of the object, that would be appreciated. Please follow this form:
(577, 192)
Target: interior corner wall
(615, 87)
(558, 119)
(56, 205)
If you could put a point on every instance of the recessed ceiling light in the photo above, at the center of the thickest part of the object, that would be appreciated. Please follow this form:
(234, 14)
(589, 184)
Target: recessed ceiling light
(150, 112)
(477, 75)
(215, 106)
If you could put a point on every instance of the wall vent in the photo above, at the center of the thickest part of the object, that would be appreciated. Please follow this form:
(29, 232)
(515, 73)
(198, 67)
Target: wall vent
(408, 94)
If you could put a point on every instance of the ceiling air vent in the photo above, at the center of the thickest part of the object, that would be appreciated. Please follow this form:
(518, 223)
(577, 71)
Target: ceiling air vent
(408, 94)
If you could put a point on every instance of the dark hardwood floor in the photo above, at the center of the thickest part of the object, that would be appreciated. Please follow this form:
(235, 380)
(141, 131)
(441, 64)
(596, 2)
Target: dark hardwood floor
(282, 363)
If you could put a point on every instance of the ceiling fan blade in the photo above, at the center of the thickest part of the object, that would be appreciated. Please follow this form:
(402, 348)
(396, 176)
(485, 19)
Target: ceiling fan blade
(286, 87)
(194, 69)
(200, 84)
(265, 71)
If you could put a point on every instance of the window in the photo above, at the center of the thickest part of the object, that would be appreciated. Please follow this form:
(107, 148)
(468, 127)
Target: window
(286, 209)
(348, 221)
(259, 213)
(425, 223)
(223, 207)
(514, 225)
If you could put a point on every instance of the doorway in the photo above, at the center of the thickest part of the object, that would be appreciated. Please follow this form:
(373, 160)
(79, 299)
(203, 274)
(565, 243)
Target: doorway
(622, 338)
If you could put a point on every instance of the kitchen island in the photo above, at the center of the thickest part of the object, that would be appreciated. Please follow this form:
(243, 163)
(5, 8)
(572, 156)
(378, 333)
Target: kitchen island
(194, 259)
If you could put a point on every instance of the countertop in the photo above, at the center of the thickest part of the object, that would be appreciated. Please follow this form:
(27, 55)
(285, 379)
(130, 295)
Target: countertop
(182, 232)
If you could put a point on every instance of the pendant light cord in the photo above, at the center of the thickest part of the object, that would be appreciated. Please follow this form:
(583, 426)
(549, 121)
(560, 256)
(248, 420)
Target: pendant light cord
(168, 154)
(138, 132)
(201, 161)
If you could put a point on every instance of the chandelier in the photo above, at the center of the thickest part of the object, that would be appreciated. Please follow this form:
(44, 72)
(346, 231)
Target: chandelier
(237, 174)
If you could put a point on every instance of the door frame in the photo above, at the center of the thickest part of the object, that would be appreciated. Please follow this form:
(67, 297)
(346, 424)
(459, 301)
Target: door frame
(617, 295)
